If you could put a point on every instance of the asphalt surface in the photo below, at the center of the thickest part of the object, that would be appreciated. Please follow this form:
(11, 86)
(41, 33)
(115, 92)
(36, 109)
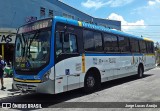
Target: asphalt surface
(125, 91)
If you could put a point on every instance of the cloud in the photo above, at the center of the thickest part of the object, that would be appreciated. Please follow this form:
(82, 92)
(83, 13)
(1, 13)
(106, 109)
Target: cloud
(100, 3)
(152, 6)
(118, 3)
(127, 25)
(151, 3)
(93, 4)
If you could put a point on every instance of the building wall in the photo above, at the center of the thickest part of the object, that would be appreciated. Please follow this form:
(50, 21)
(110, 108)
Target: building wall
(16, 13)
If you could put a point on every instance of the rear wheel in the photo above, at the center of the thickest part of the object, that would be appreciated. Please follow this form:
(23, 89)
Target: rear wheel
(91, 83)
(140, 72)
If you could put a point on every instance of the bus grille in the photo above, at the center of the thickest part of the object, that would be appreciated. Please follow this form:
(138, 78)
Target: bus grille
(28, 87)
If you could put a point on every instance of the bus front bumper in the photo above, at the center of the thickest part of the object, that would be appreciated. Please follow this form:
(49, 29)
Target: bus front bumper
(44, 87)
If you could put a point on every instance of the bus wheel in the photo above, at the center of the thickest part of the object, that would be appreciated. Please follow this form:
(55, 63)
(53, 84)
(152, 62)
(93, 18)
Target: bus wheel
(91, 83)
(140, 72)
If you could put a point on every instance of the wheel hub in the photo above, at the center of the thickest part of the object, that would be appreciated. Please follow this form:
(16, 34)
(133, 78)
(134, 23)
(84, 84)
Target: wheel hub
(90, 82)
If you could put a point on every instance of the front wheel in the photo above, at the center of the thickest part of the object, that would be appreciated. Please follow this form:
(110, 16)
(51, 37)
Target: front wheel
(91, 83)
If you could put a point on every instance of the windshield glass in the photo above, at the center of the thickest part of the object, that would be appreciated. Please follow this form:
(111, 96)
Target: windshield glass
(32, 50)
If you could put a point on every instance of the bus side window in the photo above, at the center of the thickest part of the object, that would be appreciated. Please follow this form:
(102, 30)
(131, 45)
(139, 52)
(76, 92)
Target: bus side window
(134, 45)
(150, 47)
(73, 43)
(110, 43)
(59, 41)
(124, 44)
(70, 44)
(143, 46)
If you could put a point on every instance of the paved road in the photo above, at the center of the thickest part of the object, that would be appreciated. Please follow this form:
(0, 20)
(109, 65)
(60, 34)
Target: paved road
(128, 89)
(8, 90)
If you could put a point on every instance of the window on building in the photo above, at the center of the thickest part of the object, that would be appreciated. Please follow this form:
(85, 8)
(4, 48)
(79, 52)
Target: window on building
(68, 16)
(64, 15)
(42, 11)
(134, 45)
(110, 43)
(123, 44)
(50, 13)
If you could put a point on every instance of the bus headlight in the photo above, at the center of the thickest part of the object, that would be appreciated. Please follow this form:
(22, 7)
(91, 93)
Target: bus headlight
(46, 76)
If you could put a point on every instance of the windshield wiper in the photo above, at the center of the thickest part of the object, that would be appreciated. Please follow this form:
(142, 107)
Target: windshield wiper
(28, 45)
(23, 45)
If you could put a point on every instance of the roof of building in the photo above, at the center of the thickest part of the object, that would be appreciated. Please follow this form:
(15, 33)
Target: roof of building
(62, 4)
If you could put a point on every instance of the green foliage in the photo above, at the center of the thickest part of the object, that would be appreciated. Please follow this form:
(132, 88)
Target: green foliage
(158, 51)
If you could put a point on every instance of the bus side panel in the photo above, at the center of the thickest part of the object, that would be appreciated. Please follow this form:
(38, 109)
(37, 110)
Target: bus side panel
(149, 61)
(68, 73)
(126, 67)
(104, 63)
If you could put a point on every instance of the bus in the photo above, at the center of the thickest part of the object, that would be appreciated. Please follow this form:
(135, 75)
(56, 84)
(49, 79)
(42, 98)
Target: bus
(57, 54)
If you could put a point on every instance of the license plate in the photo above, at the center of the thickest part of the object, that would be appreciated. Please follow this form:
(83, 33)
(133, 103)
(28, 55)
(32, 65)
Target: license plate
(24, 87)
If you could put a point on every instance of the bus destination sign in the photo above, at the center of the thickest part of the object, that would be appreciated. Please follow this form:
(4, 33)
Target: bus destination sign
(35, 26)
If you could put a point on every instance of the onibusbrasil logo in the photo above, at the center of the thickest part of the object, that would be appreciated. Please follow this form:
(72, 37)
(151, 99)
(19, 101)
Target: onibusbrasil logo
(21, 106)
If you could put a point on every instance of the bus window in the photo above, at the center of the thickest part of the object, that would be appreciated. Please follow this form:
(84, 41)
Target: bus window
(150, 47)
(142, 46)
(88, 40)
(70, 46)
(110, 43)
(73, 44)
(98, 42)
(59, 41)
(134, 46)
(123, 44)
(92, 41)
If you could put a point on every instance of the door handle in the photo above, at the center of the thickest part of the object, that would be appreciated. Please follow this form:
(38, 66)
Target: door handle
(77, 75)
(60, 78)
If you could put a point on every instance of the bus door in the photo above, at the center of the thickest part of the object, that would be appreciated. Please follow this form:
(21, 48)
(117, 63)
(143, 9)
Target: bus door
(68, 56)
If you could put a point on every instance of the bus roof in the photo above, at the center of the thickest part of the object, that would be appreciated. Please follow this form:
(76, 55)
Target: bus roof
(96, 27)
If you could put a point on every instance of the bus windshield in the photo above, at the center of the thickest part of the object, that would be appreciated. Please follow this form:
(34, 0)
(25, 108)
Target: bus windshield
(32, 50)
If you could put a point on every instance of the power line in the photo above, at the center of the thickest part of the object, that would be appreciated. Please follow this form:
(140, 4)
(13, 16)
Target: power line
(140, 25)
(142, 32)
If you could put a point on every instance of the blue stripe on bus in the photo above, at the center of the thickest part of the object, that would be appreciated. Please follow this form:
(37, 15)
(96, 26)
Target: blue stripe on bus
(95, 27)
(113, 54)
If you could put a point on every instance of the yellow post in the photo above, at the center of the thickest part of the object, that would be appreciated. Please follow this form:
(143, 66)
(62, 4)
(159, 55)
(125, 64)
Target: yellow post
(83, 63)
(3, 51)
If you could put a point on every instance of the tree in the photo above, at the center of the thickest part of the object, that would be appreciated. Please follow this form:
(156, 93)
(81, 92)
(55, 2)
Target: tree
(157, 46)
(157, 49)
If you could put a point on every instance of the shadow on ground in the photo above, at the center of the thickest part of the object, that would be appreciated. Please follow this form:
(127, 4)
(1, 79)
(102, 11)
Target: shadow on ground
(57, 100)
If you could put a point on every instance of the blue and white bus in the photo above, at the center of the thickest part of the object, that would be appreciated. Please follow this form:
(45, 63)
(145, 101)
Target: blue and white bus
(57, 55)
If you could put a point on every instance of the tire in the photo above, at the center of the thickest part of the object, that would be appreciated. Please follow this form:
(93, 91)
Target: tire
(140, 72)
(91, 83)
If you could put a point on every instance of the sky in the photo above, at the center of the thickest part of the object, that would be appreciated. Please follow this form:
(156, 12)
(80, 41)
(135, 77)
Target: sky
(138, 17)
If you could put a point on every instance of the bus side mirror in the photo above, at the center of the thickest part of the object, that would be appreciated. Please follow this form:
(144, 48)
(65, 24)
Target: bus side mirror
(66, 38)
